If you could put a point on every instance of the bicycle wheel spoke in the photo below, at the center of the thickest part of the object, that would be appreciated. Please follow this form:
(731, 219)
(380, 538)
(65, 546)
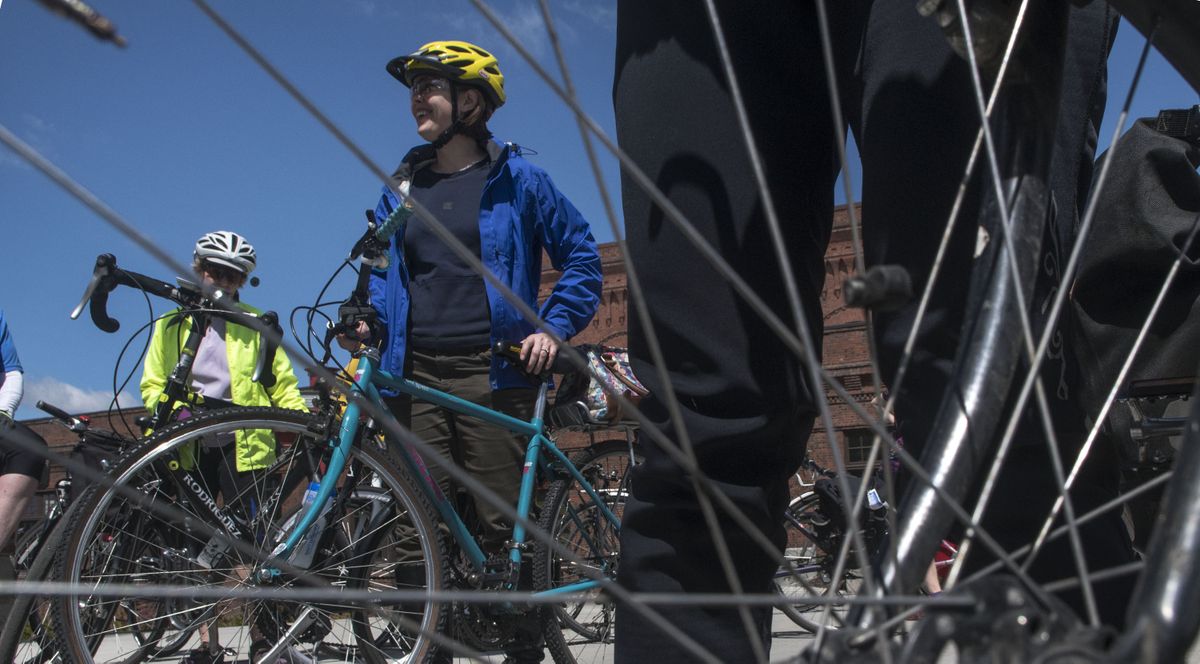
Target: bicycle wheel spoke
(360, 550)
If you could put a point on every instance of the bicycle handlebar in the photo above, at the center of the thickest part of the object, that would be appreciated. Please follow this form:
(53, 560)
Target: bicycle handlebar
(263, 373)
(73, 423)
(106, 276)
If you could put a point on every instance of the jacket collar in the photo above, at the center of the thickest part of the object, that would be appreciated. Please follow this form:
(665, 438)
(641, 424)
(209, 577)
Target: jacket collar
(422, 155)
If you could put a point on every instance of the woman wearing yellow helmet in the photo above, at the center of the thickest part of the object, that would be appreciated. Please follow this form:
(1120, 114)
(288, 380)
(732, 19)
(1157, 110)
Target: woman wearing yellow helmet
(464, 66)
(440, 316)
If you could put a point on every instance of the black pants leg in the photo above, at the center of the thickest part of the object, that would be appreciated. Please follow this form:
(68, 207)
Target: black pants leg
(744, 402)
(746, 405)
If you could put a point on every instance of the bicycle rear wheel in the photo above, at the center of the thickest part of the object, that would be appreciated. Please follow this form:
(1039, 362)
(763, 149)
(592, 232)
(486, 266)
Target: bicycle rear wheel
(811, 556)
(147, 531)
(583, 630)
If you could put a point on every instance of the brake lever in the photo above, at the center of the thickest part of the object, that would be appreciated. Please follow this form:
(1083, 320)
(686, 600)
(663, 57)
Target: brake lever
(97, 294)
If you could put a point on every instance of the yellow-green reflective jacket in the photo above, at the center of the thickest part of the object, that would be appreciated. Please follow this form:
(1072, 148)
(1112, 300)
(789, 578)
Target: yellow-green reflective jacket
(255, 447)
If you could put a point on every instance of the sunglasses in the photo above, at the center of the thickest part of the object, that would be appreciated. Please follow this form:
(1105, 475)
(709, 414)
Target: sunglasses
(222, 273)
(422, 87)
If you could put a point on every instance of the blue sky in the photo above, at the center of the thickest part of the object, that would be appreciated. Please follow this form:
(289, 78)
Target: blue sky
(181, 133)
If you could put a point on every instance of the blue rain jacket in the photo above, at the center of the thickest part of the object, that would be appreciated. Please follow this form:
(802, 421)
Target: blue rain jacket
(521, 213)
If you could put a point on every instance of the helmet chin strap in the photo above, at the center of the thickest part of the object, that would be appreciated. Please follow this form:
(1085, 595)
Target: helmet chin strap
(455, 127)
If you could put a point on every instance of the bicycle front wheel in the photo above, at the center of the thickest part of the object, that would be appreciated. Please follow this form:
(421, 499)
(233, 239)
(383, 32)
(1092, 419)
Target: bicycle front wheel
(130, 545)
(584, 630)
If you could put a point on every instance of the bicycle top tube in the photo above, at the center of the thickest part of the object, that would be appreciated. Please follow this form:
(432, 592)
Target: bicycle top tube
(531, 427)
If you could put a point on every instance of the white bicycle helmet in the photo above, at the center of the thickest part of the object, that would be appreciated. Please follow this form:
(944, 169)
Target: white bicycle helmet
(227, 248)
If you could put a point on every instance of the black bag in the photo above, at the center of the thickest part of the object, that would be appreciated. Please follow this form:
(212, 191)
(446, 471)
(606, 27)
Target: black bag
(1145, 215)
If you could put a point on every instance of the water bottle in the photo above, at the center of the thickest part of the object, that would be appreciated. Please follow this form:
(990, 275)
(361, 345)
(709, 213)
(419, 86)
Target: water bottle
(302, 555)
(216, 547)
(875, 501)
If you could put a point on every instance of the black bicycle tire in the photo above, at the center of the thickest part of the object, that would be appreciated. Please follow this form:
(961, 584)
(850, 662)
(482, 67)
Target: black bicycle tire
(550, 520)
(82, 508)
(802, 504)
(68, 641)
(961, 436)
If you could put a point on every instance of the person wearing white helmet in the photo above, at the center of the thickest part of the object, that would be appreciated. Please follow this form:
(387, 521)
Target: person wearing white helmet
(224, 249)
(222, 369)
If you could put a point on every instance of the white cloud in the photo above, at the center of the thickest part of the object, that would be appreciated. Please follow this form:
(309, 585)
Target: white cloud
(36, 124)
(68, 397)
(601, 14)
(524, 21)
(528, 27)
(364, 7)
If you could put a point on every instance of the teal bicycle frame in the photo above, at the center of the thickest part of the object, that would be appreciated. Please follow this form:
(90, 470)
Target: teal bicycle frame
(538, 452)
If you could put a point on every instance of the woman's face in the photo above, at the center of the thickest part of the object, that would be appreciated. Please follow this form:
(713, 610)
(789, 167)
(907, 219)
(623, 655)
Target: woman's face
(221, 277)
(431, 106)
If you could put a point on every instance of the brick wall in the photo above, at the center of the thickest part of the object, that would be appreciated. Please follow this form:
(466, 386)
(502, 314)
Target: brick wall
(845, 344)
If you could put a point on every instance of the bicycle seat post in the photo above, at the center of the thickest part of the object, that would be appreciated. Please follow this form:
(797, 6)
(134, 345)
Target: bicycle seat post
(539, 407)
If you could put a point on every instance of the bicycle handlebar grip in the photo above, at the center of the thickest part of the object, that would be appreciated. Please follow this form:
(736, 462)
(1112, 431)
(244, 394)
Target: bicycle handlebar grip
(882, 288)
(55, 411)
(99, 311)
(97, 292)
(264, 373)
(511, 351)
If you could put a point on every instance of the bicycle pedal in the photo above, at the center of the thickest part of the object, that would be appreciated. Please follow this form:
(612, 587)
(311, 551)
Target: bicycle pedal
(490, 577)
(882, 288)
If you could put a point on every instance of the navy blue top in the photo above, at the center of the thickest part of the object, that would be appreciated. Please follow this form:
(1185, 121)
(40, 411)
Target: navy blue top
(448, 302)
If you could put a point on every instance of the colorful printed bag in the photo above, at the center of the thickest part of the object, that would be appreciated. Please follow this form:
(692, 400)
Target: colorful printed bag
(582, 399)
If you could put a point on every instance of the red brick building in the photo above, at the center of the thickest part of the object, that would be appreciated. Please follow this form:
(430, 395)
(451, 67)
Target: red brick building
(845, 344)
(844, 354)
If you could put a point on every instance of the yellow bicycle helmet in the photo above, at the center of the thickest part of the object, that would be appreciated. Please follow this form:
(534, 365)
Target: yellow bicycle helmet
(459, 61)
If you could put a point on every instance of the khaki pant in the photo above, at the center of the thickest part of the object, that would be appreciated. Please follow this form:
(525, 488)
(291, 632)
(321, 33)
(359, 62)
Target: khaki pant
(491, 454)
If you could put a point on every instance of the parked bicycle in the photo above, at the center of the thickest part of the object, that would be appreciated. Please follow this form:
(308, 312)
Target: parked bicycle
(815, 523)
(27, 636)
(345, 505)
